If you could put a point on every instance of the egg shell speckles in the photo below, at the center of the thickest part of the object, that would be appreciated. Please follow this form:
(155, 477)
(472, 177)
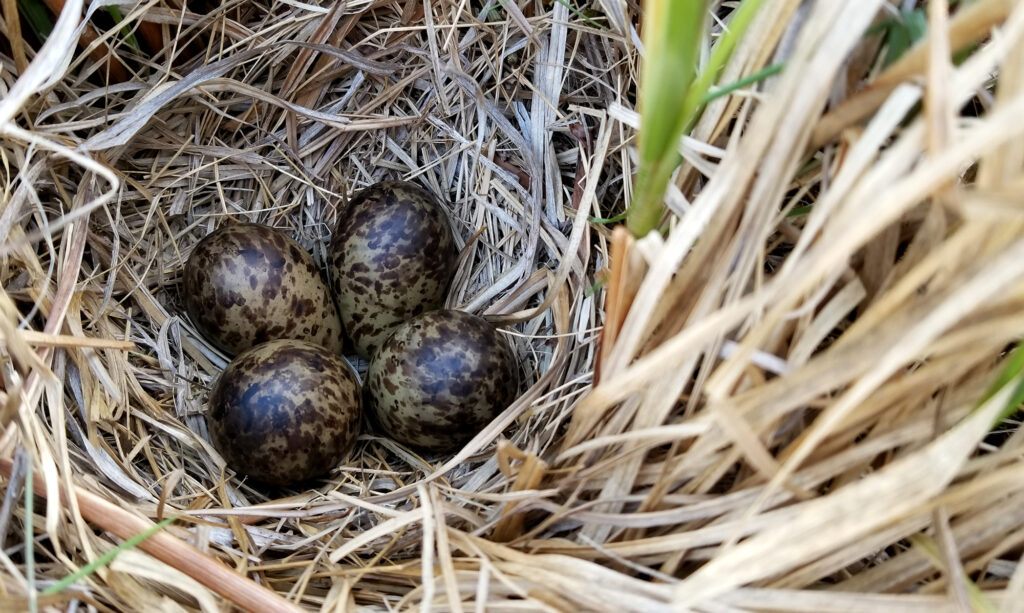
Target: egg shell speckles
(439, 379)
(392, 258)
(246, 284)
(285, 411)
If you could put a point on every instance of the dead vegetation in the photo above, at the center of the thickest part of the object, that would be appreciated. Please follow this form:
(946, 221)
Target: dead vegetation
(783, 403)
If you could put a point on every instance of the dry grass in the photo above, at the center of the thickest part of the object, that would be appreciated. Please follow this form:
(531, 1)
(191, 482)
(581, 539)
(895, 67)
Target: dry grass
(757, 411)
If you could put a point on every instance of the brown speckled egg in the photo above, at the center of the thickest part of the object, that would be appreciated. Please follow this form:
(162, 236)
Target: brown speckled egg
(392, 258)
(285, 411)
(246, 284)
(439, 379)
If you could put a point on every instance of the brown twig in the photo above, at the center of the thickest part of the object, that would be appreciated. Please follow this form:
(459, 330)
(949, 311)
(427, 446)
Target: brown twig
(12, 17)
(42, 339)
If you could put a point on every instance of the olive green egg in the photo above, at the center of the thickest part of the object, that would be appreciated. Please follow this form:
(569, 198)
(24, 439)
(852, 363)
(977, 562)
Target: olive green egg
(285, 411)
(439, 379)
(245, 284)
(392, 257)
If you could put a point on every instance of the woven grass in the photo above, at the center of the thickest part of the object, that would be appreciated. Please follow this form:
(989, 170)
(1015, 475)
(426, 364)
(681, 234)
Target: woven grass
(795, 398)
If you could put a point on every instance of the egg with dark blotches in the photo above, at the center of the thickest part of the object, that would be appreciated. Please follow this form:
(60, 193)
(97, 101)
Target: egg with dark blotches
(246, 284)
(285, 411)
(439, 379)
(392, 257)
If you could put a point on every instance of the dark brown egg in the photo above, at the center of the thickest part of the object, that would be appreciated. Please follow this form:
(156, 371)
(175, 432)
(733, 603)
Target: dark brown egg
(246, 284)
(285, 411)
(439, 379)
(392, 258)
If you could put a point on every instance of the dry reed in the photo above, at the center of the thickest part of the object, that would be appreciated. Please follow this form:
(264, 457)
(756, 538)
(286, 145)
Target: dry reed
(785, 402)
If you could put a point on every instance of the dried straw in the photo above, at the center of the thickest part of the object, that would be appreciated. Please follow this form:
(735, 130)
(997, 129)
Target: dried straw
(783, 403)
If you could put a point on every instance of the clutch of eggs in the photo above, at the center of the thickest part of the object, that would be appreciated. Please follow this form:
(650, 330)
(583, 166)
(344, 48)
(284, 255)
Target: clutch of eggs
(288, 407)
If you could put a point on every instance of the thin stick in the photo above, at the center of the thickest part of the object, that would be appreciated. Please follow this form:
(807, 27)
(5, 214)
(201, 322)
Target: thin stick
(42, 339)
(617, 301)
(12, 16)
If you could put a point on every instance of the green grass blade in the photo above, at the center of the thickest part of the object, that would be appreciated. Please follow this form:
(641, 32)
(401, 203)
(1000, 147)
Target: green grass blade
(1013, 368)
(37, 17)
(607, 220)
(106, 558)
(593, 289)
(799, 211)
(580, 14)
(758, 76)
(736, 30)
(116, 14)
(672, 34)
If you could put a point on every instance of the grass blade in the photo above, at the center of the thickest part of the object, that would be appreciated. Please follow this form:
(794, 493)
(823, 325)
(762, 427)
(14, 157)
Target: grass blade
(607, 220)
(118, 17)
(669, 75)
(580, 14)
(1013, 368)
(725, 90)
(106, 558)
(672, 33)
(737, 28)
(37, 17)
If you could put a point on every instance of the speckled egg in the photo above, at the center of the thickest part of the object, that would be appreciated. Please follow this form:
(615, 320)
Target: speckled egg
(285, 411)
(246, 284)
(392, 258)
(439, 379)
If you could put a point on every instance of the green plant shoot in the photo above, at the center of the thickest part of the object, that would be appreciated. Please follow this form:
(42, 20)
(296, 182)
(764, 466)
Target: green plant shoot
(672, 32)
(672, 93)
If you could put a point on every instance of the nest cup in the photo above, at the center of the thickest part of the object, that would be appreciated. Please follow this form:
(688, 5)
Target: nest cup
(799, 393)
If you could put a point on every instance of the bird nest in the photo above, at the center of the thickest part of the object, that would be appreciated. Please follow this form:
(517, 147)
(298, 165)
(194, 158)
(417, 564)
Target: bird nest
(799, 396)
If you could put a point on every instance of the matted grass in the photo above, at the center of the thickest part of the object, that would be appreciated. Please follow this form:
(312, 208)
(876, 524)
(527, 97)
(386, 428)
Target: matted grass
(793, 399)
